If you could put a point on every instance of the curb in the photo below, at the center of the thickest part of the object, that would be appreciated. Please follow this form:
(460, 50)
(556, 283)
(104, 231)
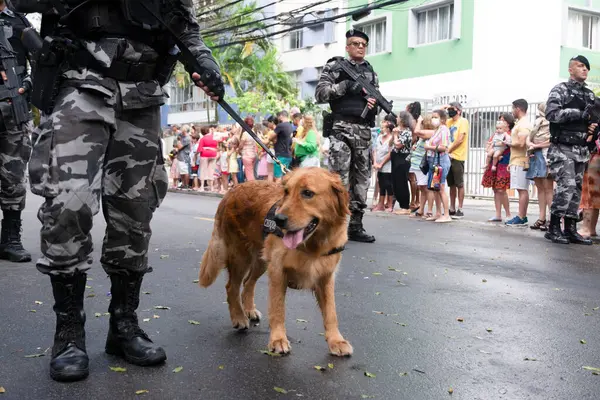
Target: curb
(194, 193)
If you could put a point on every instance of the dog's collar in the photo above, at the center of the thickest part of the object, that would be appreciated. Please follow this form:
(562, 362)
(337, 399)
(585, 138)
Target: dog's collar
(270, 227)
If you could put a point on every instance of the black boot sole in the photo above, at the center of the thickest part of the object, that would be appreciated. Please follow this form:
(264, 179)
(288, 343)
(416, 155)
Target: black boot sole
(555, 240)
(14, 258)
(114, 349)
(360, 240)
(584, 243)
(71, 376)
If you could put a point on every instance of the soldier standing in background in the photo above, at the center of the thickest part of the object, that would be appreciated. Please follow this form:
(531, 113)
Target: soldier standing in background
(350, 136)
(15, 141)
(568, 111)
(99, 146)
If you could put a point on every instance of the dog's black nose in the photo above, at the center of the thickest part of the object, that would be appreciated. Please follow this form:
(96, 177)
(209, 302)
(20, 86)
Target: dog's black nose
(281, 220)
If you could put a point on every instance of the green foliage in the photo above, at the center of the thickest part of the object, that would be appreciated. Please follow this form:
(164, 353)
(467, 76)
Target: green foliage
(252, 70)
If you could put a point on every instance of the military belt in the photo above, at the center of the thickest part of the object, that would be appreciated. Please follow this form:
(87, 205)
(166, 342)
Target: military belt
(118, 70)
(351, 119)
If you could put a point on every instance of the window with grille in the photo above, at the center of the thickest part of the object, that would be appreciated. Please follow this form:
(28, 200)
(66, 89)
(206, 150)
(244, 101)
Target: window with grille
(583, 30)
(435, 24)
(376, 31)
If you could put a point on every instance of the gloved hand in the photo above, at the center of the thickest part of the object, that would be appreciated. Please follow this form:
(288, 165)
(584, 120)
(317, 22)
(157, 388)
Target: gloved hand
(353, 87)
(210, 76)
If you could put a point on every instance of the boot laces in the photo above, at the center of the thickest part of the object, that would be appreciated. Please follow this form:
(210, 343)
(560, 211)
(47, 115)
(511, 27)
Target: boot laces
(69, 320)
(14, 235)
(130, 307)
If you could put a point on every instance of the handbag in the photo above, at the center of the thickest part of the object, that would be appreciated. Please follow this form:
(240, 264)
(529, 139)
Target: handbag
(435, 183)
(424, 166)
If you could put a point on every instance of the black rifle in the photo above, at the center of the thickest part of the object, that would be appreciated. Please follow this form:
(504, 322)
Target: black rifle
(13, 83)
(371, 90)
(188, 58)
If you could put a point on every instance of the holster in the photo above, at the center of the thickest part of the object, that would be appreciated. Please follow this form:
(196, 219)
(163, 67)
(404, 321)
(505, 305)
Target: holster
(47, 77)
(568, 138)
(327, 124)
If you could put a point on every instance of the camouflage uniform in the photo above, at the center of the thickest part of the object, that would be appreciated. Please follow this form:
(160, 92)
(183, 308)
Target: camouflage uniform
(350, 141)
(15, 148)
(567, 161)
(101, 146)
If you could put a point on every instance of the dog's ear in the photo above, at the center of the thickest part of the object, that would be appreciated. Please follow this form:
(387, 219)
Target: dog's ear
(343, 197)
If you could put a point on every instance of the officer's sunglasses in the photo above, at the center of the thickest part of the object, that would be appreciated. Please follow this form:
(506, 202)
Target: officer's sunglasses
(359, 44)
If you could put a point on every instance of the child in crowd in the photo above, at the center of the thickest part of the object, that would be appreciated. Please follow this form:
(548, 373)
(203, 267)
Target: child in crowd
(498, 144)
(222, 168)
(233, 167)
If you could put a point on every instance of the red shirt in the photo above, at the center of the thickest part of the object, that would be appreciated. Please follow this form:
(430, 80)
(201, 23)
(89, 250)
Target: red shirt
(208, 146)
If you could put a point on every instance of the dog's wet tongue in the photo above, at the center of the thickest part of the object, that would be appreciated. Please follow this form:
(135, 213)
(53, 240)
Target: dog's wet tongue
(293, 239)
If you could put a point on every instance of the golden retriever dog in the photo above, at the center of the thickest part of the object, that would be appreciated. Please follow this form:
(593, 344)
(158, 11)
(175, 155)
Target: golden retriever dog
(309, 213)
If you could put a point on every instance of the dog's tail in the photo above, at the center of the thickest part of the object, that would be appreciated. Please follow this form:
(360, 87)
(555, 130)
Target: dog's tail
(213, 261)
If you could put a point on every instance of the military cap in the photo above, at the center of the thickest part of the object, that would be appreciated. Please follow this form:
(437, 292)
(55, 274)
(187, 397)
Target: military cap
(582, 60)
(357, 33)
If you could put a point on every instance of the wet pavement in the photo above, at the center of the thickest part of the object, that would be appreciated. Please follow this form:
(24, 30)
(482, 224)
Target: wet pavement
(524, 305)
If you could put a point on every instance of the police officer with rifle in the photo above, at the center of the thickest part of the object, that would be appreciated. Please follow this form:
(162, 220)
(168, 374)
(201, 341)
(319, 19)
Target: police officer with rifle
(350, 86)
(98, 78)
(15, 130)
(572, 111)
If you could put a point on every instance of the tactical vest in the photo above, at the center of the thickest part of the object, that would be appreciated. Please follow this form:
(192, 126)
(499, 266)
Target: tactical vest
(352, 105)
(94, 19)
(578, 125)
(571, 133)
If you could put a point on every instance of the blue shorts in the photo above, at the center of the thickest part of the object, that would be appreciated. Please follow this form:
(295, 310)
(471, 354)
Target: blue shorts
(277, 172)
(444, 162)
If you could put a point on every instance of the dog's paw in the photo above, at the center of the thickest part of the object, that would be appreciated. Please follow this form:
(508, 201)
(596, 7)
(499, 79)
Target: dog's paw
(281, 346)
(340, 348)
(254, 315)
(241, 323)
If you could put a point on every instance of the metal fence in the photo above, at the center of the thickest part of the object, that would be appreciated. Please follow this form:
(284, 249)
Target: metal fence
(482, 122)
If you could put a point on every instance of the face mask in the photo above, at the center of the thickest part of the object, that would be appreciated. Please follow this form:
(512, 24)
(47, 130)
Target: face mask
(452, 112)
(435, 122)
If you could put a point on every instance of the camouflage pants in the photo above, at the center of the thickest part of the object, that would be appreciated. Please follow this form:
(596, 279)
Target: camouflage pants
(568, 175)
(15, 149)
(87, 153)
(350, 157)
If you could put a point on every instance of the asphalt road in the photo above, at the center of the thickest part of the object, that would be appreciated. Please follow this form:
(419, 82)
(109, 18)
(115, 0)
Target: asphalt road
(538, 301)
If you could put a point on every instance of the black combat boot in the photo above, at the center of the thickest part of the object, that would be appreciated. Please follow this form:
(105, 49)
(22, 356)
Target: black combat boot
(11, 247)
(69, 359)
(125, 338)
(571, 232)
(356, 232)
(554, 232)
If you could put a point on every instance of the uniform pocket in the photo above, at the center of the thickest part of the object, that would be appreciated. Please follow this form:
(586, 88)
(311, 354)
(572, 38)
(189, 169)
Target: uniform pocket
(159, 179)
(339, 156)
(43, 168)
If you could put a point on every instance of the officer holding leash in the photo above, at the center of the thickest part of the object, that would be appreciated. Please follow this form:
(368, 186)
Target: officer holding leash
(353, 114)
(98, 78)
(15, 130)
(569, 110)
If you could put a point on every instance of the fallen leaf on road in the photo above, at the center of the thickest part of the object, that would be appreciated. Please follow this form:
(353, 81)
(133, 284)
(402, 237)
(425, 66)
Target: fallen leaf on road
(582, 341)
(35, 355)
(138, 392)
(2, 390)
(321, 334)
(379, 312)
(301, 320)
(484, 352)
(596, 308)
(191, 321)
(450, 390)
(405, 273)
(279, 390)
(146, 292)
(557, 289)
(366, 396)
(91, 295)
(489, 330)
(319, 368)
(196, 281)
(418, 370)
(403, 373)
(88, 287)
(399, 323)
(163, 256)
(330, 365)
(484, 280)
(392, 269)
(445, 270)
(38, 302)
(178, 369)
(221, 367)
(32, 311)
(460, 319)
(106, 314)
(370, 375)
(377, 273)
(401, 283)
(593, 369)
(530, 359)
(146, 320)
(162, 308)
(377, 293)
(97, 315)
(118, 369)
(270, 353)
(588, 314)
(156, 316)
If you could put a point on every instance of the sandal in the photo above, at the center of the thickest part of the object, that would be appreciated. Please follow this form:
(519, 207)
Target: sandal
(539, 224)
(416, 215)
(427, 215)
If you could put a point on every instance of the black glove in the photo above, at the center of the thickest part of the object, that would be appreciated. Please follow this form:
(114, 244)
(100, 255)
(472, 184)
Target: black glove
(210, 75)
(353, 87)
(27, 86)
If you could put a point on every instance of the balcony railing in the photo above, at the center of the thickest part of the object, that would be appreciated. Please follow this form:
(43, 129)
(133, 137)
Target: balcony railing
(189, 106)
